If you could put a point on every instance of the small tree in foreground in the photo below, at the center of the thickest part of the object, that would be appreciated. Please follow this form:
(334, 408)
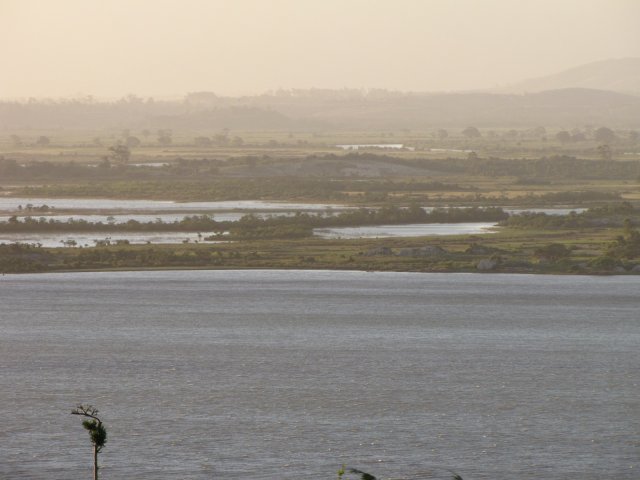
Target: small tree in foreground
(97, 432)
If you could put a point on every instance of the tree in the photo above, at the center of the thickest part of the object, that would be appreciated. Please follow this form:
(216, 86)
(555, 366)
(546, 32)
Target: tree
(539, 132)
(471, 132)
(16, 141)
(165, 140)
(120, 153)
(552, 252)
(442, 134)
(164, 137)
(43, 141)
(563, 136)
(604, 135)
(605, 152)
(132, 141)
(221, 139)
(202, 141)
(511, 134)
(578, 137)
(97, 432)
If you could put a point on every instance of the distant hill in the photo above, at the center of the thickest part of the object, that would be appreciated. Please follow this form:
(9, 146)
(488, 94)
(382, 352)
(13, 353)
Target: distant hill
(338, 110)
(557, 108)
(616, 75)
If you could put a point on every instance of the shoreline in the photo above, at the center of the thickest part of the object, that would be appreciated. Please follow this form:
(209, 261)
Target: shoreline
(328, 269)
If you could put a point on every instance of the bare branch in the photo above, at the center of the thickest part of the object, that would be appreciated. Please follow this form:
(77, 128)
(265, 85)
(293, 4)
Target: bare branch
(87, 411)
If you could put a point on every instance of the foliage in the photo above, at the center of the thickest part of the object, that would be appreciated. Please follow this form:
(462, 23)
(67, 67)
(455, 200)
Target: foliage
(552, 251)
(22, 258)
(120, 153)
(200, 178)
(626, 245)
(252, 226)
(608, 215)
(97, 433)
(95, 427)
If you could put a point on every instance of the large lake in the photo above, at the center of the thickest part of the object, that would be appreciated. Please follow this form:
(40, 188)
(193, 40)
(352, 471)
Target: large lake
(288, 374)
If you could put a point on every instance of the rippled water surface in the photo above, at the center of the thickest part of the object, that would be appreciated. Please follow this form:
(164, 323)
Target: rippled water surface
(288, 374)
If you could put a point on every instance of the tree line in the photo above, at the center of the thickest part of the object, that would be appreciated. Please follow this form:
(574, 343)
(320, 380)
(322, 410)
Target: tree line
(113, 168)
(613, 215)
(252, 226)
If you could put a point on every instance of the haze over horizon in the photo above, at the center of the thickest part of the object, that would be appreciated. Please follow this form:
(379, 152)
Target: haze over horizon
(71, 48)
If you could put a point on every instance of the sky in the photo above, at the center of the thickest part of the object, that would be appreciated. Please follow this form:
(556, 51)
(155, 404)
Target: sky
(164, 48)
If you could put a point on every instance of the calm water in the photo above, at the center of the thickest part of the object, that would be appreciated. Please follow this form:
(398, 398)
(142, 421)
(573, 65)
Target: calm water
(10, 205)
(287, 374)
(52, 240)
(47, 239)
(219, 216)
(389, 146)
(411, 230)
(547, 211)
(165, 217)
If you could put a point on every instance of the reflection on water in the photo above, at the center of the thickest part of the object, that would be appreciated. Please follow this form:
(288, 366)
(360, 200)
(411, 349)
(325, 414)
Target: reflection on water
(123, 218)
(57, 239)
(547, 211)
(52, 240)
(413, 230)
(168, 211)
(10, 205)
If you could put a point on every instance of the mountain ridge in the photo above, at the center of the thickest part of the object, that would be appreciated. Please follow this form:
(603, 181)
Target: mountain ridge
(621, 75)
(569, 107)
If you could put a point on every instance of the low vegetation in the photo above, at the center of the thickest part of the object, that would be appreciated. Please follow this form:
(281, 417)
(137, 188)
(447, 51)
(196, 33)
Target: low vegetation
(478, 171)
(593, 251)
(251, 226)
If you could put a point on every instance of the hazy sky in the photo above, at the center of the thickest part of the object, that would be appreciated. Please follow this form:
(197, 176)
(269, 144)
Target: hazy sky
(155, 47)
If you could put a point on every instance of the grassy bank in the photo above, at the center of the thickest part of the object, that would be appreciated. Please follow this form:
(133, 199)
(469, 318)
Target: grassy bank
(593, 251)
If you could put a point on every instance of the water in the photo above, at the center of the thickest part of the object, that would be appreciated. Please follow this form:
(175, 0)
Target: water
(288, 374)
(388, 146)
(453, 150)
(546, 211)
(52, 240)
(10, 205)
(144, 218)
(411, 230)
(56, 239)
